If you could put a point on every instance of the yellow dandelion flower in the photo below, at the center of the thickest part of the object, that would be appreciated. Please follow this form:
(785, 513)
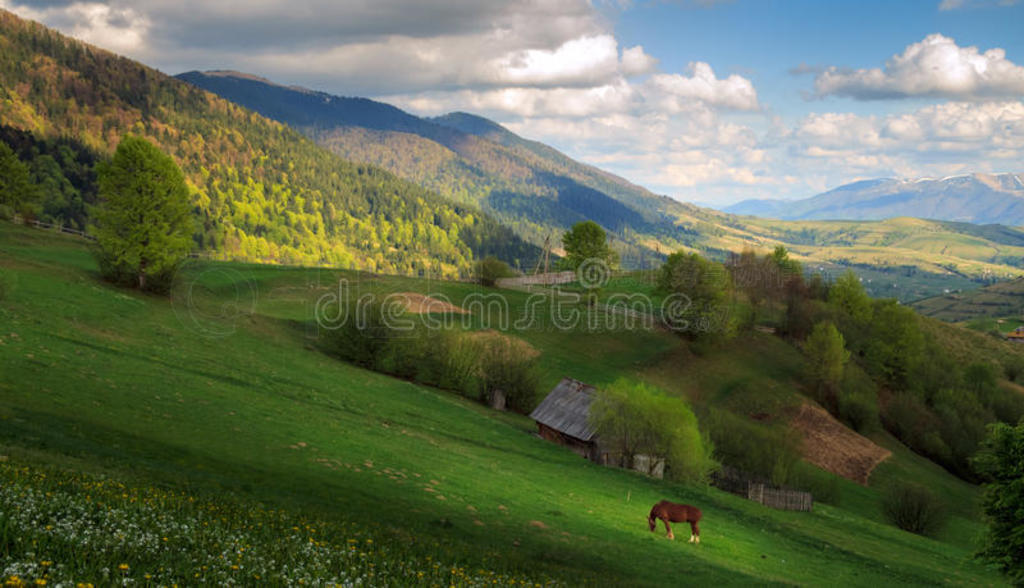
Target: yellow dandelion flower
(123, 567)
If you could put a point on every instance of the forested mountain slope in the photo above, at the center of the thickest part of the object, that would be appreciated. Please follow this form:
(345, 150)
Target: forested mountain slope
(527, 185)
(262, 191)
(539, 191)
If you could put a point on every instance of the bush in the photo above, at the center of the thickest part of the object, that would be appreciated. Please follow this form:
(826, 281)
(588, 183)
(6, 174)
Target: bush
(765, 450)
(1013, 367)
(491, 269)
(823, 486)
(469, 364)
(913, 508)
(361, 340)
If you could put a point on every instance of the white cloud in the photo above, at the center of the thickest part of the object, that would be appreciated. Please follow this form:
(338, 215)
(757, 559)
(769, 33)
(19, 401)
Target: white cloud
(118, 29)
(674, 90)
(947, 5)
(935, 67)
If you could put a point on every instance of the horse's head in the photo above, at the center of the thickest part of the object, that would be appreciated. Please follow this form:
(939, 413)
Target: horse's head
(651, 522)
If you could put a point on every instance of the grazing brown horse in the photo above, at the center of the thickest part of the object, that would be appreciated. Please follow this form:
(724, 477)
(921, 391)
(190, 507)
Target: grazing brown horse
(676, 513)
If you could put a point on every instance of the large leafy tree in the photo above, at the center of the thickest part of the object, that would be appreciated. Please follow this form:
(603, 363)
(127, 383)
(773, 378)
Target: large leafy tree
(703, 286)
(634, 419)
(827, 357)
(144, 223)
(1001, 461)
(587, 241)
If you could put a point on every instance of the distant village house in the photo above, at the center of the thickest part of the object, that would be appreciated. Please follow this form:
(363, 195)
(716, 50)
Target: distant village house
(1016, 335)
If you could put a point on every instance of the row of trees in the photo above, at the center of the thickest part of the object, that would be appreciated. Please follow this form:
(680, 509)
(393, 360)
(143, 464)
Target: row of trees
(475, 365)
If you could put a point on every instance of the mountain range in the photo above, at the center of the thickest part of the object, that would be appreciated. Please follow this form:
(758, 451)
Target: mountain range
(974, 198)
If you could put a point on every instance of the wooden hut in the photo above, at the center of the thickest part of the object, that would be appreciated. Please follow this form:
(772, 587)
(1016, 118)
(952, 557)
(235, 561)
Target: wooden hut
(562, 418)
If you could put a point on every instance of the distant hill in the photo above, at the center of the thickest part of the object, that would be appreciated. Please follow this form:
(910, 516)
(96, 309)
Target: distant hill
(261, 191)
(1005, 299)
(974, 198)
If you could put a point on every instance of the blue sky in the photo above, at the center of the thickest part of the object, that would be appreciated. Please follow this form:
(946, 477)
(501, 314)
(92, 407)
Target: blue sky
(703, 100)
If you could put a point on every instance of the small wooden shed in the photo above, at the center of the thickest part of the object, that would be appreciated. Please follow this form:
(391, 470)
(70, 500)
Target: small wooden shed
(562, 418)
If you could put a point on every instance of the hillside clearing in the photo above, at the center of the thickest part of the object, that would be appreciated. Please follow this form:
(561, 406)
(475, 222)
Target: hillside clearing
(833, 447)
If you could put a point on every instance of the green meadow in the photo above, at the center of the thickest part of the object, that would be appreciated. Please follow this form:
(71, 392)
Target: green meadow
(213, 442)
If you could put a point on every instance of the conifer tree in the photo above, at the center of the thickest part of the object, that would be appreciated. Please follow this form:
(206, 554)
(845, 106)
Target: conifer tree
(144, 224)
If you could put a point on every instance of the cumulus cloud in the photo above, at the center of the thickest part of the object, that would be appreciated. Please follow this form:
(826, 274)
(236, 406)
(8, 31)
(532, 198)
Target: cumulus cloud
(674, 90)
(935, 67)
(121, 29)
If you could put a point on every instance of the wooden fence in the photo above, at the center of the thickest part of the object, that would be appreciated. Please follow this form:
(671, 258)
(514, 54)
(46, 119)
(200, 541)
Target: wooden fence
(51, 227)
(761, 491)
(780, 498)
(548, 279)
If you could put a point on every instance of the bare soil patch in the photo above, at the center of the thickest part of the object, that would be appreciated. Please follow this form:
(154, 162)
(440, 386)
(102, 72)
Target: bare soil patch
(835, 447)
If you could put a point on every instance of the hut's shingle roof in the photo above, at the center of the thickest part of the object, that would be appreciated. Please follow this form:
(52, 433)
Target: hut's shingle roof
(566, 408)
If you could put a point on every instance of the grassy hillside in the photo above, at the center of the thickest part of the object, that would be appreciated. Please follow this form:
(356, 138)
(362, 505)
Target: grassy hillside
(217, 411)
(261, 191)
(992, 302)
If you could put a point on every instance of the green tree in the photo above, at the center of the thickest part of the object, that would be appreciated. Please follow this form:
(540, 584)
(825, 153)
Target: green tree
(705, 285)
(849, 296)
(587, 241)
(827, 356)
(17, 191)
(144, 222)
(634, 419)
(1001, 462)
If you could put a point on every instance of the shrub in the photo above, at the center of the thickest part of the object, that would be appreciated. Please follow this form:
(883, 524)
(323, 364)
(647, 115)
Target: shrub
(501, 367)
(382, 340)
(913, 508)
(823, 486)
(491, 269)
(1013, 367)
(765, 450)
(362, 339)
